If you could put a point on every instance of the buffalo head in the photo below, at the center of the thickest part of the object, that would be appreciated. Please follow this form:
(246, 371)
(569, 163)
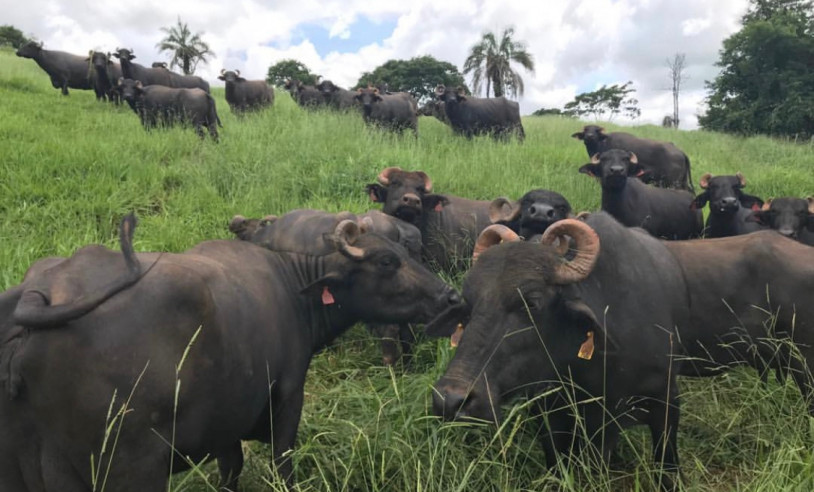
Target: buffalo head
(130, 90)
(532, 214)
(124, 54)
(788, 216)
(521, 321)
(406, 194)
(99, 60)
(450, 96)
(230, 76)
(367, 98)
(30, 49)
(724, 194)
(613, 167)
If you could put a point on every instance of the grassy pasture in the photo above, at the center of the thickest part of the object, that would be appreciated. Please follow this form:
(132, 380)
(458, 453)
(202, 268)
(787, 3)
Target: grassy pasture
(71, 167)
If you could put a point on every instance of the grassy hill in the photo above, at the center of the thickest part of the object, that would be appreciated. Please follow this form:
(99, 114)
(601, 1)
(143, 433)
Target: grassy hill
(71, 167)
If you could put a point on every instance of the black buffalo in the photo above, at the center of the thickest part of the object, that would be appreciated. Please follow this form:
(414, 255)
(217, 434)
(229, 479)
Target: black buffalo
(303, 231)
(449, 225)
(66, 70)
(229, 325)
(730, 209)
(246, 95)
(665, 164)
(156, 76)
(337, 97)
(791, 217)
(436, 109)
(105, 76)
(392, 111)
(531, 215)
(157, 105)
(469, 116)
(160, 65)
(307, 96)
(664, 213)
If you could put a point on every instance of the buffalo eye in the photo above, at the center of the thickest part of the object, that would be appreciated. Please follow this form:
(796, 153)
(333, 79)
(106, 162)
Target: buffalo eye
(389, 262)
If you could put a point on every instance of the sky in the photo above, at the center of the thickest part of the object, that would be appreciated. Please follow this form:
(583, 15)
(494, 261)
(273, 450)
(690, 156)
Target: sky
(577, 45)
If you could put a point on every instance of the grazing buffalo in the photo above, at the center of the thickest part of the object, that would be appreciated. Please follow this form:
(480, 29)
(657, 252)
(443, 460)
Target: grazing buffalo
(66, 70)
(730, 209)
(157, 105)
(449, 225)
(532, 214)
(105, 75)
(303, 231)
(614, 319)
(662, 212)
(393, 111)
(246, 95)
(791, 217)
(664, 163)
(436, 109)
(194, 352)
(156, 76)
(469, 116)
(337, 97)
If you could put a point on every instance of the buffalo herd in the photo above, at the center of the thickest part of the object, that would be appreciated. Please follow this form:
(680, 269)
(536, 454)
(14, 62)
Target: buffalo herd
(593, 315)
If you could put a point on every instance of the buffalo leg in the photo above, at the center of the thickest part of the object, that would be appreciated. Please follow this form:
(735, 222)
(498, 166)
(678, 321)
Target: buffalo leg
(801, 372)
(230, 464)
(558, 437)
(285, 420)
(664, 433)
(407, 340)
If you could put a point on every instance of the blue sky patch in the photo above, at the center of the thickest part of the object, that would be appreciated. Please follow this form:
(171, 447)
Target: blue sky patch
(362, 33)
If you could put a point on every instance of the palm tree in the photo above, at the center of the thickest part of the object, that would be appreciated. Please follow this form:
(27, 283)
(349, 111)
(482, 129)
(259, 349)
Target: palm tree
(490, 61)
(187, 49)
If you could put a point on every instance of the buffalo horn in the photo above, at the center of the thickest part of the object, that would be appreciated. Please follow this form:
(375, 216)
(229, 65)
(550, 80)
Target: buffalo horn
(595, 158)
(268, 219)
(587, 249)
(345, 235)
(741, 178)
(492, 235)
(384, 176)
(440, 89)
(767, 205)
(810, 204)
(633, 158)
(704, 181)
(236, 223)
(497, 207)
(222, 71)
(237, 72)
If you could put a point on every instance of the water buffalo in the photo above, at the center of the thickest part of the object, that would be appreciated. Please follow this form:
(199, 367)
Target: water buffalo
(436, 109)
(730, 209)
(105, 75)
(791, 217)
(66, 70)
(532, 214)
(307, 96)
(664, 213)
(469, 116)
(246, 95)
(157, 105)
(160, 65)
(393, 111)
(303, 231)
(337, 97)
(193, 352)
(449, 225)
(156, 76)
(666, 165)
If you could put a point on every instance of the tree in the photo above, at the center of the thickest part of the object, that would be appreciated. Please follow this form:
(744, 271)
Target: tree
(187, 49)
(676, 66)
(766, 83)
(551, 112)
(490, 61)
(606, 100)
(419, 76)
(290, 69)
(10, 35)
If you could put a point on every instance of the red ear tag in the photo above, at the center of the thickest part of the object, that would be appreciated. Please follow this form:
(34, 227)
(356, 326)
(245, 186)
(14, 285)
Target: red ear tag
(438, 207)
(327, 297)
(586, 350)
(373, 197)
(755, 207)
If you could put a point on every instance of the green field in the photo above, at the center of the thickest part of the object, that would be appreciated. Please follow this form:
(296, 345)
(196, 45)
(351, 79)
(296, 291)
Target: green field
(70, 168)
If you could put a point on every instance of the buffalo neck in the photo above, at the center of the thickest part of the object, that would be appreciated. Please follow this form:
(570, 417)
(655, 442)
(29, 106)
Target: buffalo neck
(594, 147)
(616, 201)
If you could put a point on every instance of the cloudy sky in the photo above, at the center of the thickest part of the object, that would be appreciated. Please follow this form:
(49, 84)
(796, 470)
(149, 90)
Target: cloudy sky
(577, 45)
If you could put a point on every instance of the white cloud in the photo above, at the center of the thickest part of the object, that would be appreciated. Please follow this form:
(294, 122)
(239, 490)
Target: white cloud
(576, 44)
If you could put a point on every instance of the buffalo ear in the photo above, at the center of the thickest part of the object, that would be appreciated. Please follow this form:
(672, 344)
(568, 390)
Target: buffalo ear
(635, 170)
(592, 170)
(327, 282)
(434, 202)
(377, 193)
(700, 201)
(220, 77)
(582, 318)
(750, 201)
(757, 216)
(445, 324)
(578, 135)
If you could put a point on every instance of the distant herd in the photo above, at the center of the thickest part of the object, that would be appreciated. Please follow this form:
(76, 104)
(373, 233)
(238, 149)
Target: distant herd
(611, 305)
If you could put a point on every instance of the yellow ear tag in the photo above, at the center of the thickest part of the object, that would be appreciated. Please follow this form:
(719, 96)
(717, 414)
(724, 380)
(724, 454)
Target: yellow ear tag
(586, 350)
(455, 339)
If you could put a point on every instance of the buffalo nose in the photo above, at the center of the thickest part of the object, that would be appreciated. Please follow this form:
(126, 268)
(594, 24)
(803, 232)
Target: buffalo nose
(728, 201)
(453, 297)
(538, 211)
(411, 200)
(446, 402)
(617, 170)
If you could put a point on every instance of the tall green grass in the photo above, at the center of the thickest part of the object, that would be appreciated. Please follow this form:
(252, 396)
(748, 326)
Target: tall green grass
(70, 168)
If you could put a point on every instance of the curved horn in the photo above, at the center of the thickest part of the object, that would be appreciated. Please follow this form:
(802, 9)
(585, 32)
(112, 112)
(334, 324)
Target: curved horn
(345, 235)
(384, 177)
(427, 181)
(741, 178)
(237, 72)
(222, 71)
(492, 235)
(633, 158)
(586, 244)
(268, 219)
(236, 223)
(595, 158)
(496, 210)
(704, 181)
(33, 310)
(766, 205)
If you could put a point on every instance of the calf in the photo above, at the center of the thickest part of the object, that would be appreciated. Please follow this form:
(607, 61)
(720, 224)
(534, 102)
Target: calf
(449, 225)
(393, 111)
(730, 209)
(531, 215)
(337, 97)
(66, 70)
(791, 217)
(470, 116)
(105, 75)
(246, 95)
(665, 164)
(436, 109)
(662, 212)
